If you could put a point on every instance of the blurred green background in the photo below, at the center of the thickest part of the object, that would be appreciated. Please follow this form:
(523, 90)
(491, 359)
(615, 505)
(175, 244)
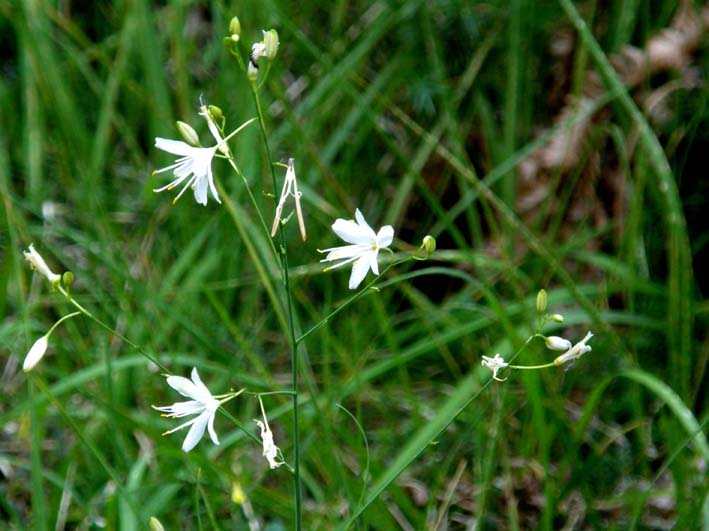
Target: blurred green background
(541, 152)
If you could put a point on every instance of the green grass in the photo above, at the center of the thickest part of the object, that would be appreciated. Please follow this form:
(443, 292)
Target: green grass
(423, 115)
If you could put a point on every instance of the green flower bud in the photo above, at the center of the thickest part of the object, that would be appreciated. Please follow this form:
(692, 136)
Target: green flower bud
(216, 112)
(429, 244)
(541, 301)
(235, 28)
(557, 318)
(155, 524)
(68, 278)
(189, 134)
(270, 41)
(252, 71)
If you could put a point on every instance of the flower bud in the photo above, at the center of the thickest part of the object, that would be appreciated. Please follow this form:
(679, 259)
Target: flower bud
(238, 496)
(429, 244)
(557, 318)
(541, 301)
(235, 28)
(187, 133)
(270, 41)
(36, 353)
(216, 112)
(557, 343)
(68, 278)
(155, 524)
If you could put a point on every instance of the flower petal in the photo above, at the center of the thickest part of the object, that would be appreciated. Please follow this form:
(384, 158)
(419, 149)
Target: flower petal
(196, 431)
(176, 147)
(385, 236)
(184, 386)
(359, 271)
(212, 433)
(351, 232)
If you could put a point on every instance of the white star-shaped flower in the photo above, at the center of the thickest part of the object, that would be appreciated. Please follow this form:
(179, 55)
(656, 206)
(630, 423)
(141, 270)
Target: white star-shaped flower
(495, 364)
(193, 166)
(364, 249)
(575, 352)
(38, 264)
(202, 404)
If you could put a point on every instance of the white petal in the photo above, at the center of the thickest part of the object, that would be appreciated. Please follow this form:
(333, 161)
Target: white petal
(203, 394)
(176, 147)
(353, 233)
(212, 433)
(196, 431)
(182, 409)
(210, 179)
(385, 236)
(359, 271)
(372, 257)
(184, 386)
(200, 191)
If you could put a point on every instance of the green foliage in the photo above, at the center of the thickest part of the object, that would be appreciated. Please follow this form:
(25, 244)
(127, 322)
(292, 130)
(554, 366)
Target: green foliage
(424, 115)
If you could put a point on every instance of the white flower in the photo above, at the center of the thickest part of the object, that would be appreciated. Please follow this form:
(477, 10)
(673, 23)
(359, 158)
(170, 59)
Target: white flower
(557, 343)
(194, 166)
(203, 404)
(495, 364)
(37, 263)
(36, 353)
(270, 450)
(290, 188)
(364, 249)
(575, 352)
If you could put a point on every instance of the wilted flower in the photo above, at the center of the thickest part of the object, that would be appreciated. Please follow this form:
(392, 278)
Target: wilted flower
(557, 343)
(495, 364)
(202, 404)
(270, 450)
(36, 353)
(575, 352)
(290, 188)
(38, 264)
(364, 249)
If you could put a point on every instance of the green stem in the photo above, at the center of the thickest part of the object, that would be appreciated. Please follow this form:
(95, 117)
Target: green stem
(349, 301)
(103, 325)
(552, 364)
(291, 328)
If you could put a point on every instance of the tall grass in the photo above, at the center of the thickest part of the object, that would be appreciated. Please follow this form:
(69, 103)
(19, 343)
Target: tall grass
(426, 116)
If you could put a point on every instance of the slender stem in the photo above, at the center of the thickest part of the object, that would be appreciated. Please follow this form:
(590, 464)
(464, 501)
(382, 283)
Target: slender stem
(116, 333)
(552, 364)
(291, 327)
(349, 301)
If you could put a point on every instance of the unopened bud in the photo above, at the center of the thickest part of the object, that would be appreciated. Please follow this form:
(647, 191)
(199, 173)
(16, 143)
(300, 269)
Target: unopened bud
(216, 112)
(270, 41)
(68, 278)
(189, 134)
(238, 496)
(36, 353)
(429, 244)
(557, 343)
(235, 28)
(155, 524)
(557, 318)
(541, 301)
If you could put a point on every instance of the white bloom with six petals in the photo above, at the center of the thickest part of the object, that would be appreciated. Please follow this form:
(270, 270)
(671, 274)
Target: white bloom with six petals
(193, 166)
(364, 249)
(203, 404)
(495, 364)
